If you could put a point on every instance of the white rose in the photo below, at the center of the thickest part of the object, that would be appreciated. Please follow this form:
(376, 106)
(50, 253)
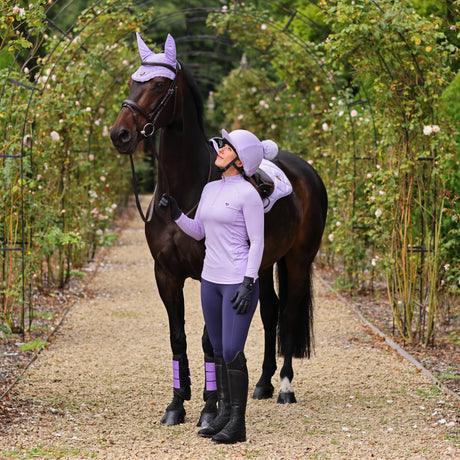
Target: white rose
(55, 135)
(427, 130)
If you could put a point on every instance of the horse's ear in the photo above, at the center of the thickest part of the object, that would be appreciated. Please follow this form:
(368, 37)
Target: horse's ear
(170, 49)
(143, 48)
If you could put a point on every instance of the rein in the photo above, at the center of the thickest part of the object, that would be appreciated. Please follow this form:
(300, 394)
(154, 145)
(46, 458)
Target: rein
(149, 129)
(136, 193)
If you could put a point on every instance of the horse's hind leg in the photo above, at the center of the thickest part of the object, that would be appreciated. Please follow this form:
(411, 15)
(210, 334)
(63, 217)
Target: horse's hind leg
(296, 318)
(269, 313)
(209, 411)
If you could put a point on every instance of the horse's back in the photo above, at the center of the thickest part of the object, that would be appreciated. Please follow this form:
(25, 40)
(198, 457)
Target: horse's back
(305, 180)
(302, 173)
(301, 216)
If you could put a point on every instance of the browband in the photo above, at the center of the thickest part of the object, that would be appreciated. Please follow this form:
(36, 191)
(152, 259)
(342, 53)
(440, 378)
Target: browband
(161, 64)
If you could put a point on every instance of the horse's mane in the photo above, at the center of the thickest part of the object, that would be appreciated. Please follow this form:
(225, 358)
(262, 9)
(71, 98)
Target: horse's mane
(196, 93)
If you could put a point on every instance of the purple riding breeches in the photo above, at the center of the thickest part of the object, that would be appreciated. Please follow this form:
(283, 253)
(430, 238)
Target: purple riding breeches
(227, 330)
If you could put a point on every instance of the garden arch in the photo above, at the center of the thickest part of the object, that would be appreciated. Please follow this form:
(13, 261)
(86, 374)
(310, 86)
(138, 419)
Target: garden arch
(207, 55)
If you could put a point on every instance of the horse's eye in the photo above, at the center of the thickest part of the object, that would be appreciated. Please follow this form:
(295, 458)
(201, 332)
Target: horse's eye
(159, 85)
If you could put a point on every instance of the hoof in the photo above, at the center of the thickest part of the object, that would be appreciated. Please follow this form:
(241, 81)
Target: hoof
(173, 417)
(206, 419)
(263, 392)
(286, 398)
(225, 438)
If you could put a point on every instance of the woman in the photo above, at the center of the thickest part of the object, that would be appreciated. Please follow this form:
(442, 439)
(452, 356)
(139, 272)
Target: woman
(230, 217)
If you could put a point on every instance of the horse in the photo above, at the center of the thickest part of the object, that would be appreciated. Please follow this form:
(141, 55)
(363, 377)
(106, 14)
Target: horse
(293, 233)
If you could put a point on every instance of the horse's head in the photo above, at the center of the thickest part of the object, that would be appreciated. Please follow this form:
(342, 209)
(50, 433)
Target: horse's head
(152, 97)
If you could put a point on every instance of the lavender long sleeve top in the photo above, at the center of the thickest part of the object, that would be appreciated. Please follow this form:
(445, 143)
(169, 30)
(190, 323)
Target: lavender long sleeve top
(230, 214)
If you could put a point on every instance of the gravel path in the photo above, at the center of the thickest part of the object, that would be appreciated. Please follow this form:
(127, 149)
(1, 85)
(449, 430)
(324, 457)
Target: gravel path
(100, 389)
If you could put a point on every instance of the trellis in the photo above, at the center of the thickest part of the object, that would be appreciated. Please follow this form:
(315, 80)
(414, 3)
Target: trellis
(202, 62)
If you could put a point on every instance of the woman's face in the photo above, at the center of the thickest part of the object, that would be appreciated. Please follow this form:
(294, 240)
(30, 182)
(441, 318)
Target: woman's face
(225, 156)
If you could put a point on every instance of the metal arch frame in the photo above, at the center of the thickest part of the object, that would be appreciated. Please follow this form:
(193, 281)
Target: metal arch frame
(365, 101)
(283, 28)
(34, 87)
(291, 14)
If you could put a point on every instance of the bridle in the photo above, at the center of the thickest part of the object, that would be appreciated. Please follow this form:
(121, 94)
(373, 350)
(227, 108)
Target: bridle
(151, 119)
(150, 128)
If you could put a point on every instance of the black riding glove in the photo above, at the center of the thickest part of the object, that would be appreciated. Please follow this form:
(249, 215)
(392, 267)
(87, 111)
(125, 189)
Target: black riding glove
(242, 298)
(167, 200)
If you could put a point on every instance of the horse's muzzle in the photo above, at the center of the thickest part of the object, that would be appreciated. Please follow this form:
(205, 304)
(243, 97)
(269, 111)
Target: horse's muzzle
(122, 139)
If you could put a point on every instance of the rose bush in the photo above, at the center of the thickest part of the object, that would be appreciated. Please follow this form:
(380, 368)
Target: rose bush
(61, 180)
(364, 106)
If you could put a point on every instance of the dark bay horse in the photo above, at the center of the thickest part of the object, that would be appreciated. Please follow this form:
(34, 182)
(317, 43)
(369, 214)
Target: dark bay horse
(293, 232)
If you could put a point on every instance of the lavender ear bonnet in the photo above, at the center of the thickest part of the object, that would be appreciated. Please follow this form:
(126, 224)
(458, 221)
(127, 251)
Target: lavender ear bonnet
(147, 72)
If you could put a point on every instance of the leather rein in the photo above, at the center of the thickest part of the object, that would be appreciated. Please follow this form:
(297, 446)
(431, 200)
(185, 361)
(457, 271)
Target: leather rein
(149, 128)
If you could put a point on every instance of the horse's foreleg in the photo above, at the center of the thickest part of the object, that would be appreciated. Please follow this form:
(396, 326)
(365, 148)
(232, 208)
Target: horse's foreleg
(209, 410)
(269, 314)
(175, 412)
(171, 293)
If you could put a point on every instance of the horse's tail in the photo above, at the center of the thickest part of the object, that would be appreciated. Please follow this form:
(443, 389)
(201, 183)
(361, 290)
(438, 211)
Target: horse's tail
(295, 324)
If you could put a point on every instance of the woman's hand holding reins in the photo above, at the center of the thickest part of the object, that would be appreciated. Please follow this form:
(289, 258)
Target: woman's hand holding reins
(242, 298)
(167, 200)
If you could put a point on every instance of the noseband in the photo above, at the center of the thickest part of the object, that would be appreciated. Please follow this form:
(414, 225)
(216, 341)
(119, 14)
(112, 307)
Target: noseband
(151, 119)
(149, 128)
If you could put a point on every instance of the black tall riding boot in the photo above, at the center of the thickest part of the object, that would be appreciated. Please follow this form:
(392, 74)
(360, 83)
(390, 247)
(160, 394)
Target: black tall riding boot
(235, 429)
(223, 401)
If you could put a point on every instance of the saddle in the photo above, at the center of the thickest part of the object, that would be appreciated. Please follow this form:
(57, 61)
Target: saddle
(263, 183)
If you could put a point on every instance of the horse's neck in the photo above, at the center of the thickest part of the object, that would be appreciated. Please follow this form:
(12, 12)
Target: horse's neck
(185, 164)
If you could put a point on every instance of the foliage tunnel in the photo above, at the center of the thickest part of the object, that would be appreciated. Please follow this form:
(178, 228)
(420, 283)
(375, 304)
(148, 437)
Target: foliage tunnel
(364, 90)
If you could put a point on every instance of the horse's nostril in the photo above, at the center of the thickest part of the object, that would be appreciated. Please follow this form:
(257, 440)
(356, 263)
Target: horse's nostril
(124, 136)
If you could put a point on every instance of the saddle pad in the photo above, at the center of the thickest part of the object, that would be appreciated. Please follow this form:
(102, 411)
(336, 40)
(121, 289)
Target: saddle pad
(283, 186)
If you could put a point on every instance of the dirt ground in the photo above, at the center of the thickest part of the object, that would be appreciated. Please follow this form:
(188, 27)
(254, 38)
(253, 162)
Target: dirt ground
(100, 388)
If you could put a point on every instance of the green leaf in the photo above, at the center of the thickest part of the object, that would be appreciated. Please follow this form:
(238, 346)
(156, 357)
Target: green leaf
(35, 345)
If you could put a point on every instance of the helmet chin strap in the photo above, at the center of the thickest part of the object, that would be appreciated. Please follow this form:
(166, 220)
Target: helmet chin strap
(232, 163)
